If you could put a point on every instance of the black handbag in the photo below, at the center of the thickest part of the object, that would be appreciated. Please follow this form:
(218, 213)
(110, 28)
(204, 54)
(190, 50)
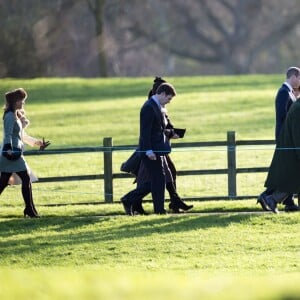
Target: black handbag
(16, 152)
(132, 164)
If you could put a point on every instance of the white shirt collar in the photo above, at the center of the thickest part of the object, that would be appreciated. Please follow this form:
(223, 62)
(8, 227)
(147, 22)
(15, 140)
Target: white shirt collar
(289, 86)
(291, 93)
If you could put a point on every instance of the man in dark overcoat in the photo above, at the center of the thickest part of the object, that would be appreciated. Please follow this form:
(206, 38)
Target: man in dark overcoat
(284, 172)
(154, 145)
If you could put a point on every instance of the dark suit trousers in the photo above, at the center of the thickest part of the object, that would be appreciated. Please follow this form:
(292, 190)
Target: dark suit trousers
(136, 196)
(156, 171)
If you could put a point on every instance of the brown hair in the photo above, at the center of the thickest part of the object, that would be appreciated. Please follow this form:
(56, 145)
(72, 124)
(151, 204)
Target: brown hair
(166, 88)
(12, 97)
(292, 71)
(156, 83)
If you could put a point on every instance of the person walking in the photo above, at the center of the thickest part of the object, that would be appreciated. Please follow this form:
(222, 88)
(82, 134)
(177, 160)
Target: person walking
(134, 166)
(154, 144)
(12, 159)
(283, 101)
(283, 176)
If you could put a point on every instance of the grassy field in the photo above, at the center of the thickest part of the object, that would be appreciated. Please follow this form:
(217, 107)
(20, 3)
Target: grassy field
(207, 256)
(224, 250)
(83, 111)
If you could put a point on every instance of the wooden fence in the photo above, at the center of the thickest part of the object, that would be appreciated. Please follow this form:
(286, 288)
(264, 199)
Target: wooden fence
(231, 171)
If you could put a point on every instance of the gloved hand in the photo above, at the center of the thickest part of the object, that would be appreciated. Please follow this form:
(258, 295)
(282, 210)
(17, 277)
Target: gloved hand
(44, 145)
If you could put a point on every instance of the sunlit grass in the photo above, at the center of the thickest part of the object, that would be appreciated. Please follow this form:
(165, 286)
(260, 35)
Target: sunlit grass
(96, 283)
(83, 111)
(232, 242)
(63, 256)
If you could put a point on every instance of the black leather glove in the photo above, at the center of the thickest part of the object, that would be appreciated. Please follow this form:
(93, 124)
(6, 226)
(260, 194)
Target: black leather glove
(45, 144)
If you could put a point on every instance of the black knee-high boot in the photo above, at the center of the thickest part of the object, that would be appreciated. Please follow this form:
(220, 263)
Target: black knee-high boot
(176, 202)
(30, 209)
(4, 181)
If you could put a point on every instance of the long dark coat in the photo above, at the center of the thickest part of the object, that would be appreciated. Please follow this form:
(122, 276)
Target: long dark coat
(283, 102)
(284, 172)
(152, 130)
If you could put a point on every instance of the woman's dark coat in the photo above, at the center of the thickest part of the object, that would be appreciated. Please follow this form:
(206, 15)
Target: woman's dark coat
(284, 172)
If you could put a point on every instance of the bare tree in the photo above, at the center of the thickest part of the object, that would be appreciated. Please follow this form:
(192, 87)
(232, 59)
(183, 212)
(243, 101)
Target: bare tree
(137, 38)
(18, 49)
(97, 9)
(228, 33)
(29, 33)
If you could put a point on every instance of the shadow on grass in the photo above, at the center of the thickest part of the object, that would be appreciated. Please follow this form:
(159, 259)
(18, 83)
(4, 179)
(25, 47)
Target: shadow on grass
(49, 234)
(24, 235)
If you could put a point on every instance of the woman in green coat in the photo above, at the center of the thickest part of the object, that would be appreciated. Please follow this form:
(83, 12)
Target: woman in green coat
(11, 158)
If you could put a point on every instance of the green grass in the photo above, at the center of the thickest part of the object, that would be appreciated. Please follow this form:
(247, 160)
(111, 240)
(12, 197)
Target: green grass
(93, 251)
(211, 242)
(97, 284)
(201, 255)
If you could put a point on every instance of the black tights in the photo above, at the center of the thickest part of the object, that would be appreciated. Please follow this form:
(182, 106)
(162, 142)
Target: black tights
(26, 185)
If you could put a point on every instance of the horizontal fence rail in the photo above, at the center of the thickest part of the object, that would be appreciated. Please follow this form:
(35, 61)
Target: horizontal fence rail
(108, 176)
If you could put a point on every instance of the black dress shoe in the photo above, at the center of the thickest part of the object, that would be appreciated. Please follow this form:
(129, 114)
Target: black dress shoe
(161, 212)
(127, 206)
(291, 208)
(262, 201)
(138, 209)
(272, 204)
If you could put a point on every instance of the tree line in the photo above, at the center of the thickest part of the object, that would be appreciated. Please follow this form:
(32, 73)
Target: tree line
(101, 38)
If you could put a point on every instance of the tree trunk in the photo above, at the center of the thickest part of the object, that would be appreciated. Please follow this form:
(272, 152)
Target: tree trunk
(97, 8)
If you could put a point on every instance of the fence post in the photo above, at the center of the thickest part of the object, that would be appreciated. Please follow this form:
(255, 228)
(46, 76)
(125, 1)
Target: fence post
(231, 163)
(108, 174)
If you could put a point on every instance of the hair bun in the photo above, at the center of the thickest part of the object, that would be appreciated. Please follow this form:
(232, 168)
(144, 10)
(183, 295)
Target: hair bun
(158, 79)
